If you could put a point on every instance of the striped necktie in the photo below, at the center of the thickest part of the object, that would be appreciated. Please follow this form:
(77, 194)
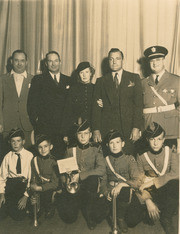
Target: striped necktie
(116, 81)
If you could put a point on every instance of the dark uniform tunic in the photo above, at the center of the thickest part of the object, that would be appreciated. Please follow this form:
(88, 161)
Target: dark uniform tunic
(48, 170)
(165, 193)
(128, 208)
(91, 163)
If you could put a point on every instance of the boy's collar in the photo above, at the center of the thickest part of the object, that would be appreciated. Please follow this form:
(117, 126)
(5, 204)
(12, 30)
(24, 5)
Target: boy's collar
(45, 157)
(81, 146)
(156, 152)
(116, 155)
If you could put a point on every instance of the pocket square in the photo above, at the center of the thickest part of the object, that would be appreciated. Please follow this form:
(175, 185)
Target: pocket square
(67, 86)
(131, 84)
(29, 85)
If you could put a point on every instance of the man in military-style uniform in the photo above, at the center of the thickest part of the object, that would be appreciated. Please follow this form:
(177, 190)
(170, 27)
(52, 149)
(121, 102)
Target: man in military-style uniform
(159, 168)
(161, 91)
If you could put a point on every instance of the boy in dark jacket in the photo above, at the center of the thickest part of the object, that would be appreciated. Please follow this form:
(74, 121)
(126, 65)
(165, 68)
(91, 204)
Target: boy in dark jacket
(44, 175)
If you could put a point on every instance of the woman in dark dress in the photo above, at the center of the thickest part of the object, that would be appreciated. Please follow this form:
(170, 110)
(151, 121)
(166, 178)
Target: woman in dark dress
(79, 101)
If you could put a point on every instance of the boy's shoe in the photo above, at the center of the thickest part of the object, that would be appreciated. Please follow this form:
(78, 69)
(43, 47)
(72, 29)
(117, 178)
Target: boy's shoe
(167, 225)
(122, 225)
(91, 224)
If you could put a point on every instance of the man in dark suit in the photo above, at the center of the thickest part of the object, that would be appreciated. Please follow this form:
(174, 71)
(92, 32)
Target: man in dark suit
(14, 88)
(46, 102)
(121, 94)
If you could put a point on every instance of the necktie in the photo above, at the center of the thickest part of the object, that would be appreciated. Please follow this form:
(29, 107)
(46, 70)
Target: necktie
(156, 80)
(18, 165)
(116, 81)
(55, 79)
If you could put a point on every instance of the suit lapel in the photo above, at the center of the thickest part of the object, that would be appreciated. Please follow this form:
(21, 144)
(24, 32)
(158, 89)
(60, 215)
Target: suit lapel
(109, 87)
(12, 85)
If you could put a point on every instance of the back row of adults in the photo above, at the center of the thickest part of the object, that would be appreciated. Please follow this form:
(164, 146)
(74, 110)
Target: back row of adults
(51, 102)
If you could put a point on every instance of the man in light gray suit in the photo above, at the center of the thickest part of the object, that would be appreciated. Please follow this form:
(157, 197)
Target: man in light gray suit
(14, 88)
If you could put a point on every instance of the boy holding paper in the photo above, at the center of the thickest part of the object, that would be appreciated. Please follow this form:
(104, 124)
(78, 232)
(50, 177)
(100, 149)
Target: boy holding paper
(91, 167)
(44, 176)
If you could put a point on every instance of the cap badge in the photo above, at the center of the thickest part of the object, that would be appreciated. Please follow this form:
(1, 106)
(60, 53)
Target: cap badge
(153, 49)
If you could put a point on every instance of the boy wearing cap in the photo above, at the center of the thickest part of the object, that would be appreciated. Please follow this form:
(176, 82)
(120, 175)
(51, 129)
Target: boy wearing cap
(91, 167)
(15, 174)
(120, 180)
(161, 94)
(159, 168)
(44, 175)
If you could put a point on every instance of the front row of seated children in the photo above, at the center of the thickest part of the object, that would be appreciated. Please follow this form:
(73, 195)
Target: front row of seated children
(146, 189)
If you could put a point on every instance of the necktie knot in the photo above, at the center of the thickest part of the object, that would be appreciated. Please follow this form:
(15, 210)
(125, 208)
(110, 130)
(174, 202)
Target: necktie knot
(156, 80)
(116, 81)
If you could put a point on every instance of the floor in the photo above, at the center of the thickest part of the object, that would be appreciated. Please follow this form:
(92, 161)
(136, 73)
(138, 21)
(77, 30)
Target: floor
(57, 226)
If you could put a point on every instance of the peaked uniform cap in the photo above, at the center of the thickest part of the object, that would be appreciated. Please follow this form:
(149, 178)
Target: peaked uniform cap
(155, 52)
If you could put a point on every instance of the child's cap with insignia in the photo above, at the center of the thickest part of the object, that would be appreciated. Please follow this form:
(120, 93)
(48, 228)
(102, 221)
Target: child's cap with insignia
(82, 125)
(153, 130)
(42, 137)
(155, 52)
(16, 132)
(112, 134)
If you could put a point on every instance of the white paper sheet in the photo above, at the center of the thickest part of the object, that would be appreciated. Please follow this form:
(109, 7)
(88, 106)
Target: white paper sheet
(67, 165)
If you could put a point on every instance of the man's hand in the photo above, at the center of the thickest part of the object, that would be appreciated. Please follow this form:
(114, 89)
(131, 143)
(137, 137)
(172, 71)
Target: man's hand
(97, 136)
(1, 128)
(22, 203)
(2, 199)
(36, 188)
(116, 190)
(135, 134)
(100, 103)
(153, 210)
(146, 185)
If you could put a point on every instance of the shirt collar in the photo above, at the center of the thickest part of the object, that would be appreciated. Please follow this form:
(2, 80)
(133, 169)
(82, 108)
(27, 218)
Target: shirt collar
(160, 74)
(20, 152)
(119, 73)
(24, 74)
(57, 75)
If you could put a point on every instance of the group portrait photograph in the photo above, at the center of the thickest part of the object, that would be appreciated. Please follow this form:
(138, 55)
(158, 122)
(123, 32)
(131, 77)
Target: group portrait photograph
(89, 116)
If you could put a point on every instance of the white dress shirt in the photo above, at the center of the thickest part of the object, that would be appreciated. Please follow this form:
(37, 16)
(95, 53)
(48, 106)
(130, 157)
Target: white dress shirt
(8, 167)
(57, 76)
(119, 75)
(18, 79)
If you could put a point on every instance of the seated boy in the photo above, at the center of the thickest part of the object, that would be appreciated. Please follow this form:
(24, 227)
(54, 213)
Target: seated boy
(159, 169)
(121, 180)
(91, 167)
(44, 180)
(15, 175)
